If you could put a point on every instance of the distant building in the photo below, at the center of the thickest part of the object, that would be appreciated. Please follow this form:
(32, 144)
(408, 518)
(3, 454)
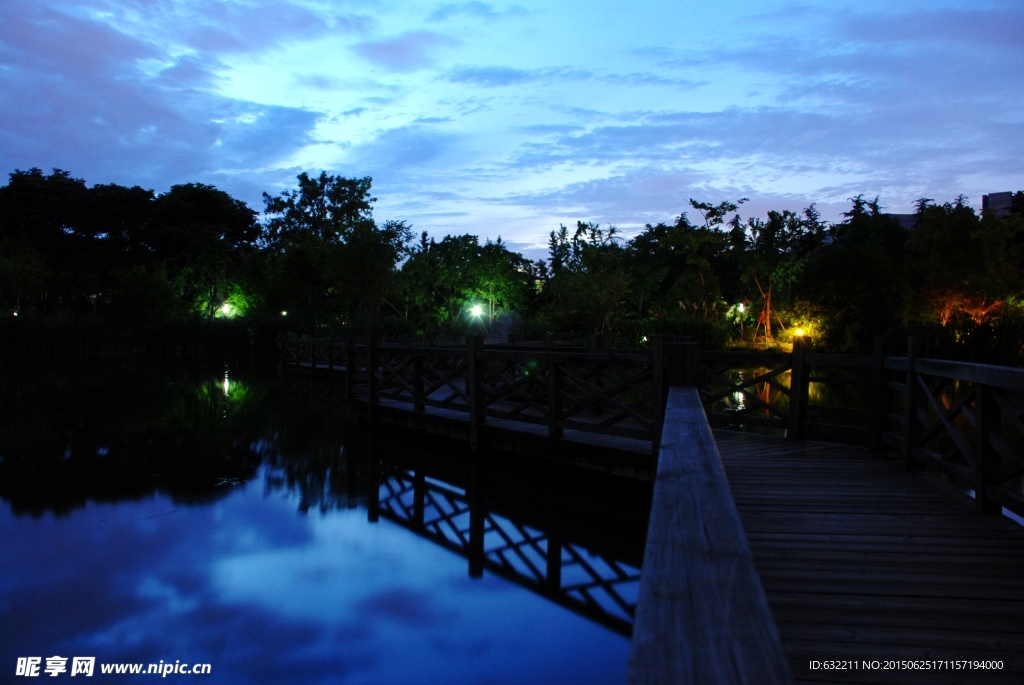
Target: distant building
(907, 221)
(999, 203)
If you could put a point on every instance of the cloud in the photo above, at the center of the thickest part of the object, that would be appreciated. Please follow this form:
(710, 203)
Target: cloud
(490, 77)
(75, 97)
(496, 77)
(407, 52)
(226, 27)
(400, 152)
(474, 9)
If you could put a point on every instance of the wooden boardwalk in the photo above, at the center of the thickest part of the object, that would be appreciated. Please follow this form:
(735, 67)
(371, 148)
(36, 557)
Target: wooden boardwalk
(861, 559)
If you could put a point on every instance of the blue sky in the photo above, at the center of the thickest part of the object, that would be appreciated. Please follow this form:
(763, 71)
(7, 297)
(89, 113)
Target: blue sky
(494, 118)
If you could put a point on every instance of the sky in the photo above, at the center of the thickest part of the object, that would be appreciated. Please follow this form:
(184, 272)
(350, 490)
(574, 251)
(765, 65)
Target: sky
(507, 120)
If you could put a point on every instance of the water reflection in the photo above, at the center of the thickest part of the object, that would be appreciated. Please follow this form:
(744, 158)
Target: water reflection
(158, 515)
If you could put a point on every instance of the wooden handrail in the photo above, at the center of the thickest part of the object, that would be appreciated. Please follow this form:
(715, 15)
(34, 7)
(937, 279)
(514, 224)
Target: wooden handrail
(904, 409)
(702, 616)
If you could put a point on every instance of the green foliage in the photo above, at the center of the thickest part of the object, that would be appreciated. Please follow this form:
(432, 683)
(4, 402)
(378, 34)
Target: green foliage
(23, 274)
(440, 281)
(853, 284)
(330, 264)
(130, 257)
(589, 279)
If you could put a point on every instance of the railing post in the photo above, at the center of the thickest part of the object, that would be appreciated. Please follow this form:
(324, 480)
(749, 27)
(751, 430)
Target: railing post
(350, 366)
(798, 390)
(917, 347)
(597, 345)
(879, 396)
(987, 419)
(474, 388)
(658, 386)
(691, 371)
(554, 400)
(371, 379)
(417, 383)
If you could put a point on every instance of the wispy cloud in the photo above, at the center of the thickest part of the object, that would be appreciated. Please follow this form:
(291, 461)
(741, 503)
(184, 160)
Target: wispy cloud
(68, 104)
(407, 52)
(466, 119)
(473, 9)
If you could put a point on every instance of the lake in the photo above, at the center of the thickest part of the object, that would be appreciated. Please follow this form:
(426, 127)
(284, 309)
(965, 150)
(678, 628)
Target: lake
(165, 515)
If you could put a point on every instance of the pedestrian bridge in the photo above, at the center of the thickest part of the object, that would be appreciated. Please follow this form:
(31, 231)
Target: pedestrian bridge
(768, 558)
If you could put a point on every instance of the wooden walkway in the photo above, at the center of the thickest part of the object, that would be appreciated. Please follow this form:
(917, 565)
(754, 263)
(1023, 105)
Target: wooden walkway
(863, 560)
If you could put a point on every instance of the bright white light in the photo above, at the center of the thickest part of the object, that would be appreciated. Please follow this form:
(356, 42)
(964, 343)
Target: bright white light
(476, 310)
(284, 313)
(227, 385)
(226, 308)
(741, 308)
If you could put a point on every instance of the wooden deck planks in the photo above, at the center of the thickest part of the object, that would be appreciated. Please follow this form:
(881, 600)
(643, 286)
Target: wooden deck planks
(863, 560)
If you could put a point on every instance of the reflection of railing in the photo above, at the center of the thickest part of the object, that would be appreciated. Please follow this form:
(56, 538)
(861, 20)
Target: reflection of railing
(596, 586)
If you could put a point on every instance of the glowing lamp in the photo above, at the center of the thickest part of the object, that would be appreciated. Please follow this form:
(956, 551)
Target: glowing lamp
(799, 332)
(226, 309)
(476, 310)
(284, 313)
(741, 308)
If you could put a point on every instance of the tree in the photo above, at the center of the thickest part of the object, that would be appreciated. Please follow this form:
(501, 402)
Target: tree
(331, 262)
(774, 255)
(201, 235)
(589, 280)
(854, 282)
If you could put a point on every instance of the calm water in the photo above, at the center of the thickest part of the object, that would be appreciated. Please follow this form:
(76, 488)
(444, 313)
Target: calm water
(162, 515)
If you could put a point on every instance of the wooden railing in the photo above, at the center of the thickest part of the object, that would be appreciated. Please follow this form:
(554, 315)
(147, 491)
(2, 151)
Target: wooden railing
(963, 419)
(702, 616)
(617, 392)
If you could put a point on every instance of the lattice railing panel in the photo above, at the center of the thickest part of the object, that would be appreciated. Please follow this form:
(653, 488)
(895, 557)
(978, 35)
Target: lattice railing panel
(735, 393)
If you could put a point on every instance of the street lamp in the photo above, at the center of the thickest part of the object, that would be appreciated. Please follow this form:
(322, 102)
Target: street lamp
(476, 310)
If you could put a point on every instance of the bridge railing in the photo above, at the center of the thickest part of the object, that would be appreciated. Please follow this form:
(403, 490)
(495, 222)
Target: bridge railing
(964, 419)
(619, 393)
(701, 616)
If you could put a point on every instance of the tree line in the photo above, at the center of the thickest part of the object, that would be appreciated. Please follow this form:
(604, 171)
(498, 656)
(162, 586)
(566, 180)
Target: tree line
(318, 262)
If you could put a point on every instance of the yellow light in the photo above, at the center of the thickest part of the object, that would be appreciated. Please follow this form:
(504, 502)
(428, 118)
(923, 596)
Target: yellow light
(476, 310)
(799, 332)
